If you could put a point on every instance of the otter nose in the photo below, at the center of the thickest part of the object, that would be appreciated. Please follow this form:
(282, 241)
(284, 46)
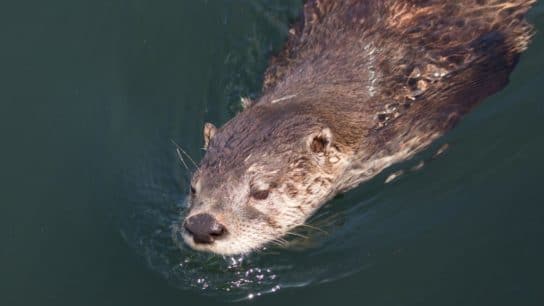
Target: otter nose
(204, 228)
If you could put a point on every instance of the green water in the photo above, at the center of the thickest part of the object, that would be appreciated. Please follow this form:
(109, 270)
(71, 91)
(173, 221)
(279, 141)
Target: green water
(93, 92)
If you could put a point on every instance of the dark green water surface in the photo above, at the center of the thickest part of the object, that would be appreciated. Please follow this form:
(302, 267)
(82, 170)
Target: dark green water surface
(92, 94)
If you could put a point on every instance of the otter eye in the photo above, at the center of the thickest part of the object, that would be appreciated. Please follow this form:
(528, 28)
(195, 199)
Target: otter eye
(260, 194)
(193, 190)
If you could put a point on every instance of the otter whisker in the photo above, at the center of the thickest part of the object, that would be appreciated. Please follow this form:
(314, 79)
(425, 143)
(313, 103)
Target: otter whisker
(314, 228)
(180, 150)
(297, 235)
(279, 242)
(181, 159)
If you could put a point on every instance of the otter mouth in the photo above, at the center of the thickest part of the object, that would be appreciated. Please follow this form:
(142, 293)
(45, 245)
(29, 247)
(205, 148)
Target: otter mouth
(222, 246)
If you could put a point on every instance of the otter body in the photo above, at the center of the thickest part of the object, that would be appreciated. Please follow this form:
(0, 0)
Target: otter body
(359, 86)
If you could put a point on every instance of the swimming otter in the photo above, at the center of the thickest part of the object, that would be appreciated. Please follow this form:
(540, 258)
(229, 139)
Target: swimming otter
(359, 86)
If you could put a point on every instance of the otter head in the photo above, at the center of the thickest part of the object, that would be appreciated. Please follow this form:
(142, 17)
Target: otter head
(264, 173)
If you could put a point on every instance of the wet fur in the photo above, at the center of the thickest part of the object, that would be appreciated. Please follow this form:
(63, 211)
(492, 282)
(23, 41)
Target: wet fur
(359, 86)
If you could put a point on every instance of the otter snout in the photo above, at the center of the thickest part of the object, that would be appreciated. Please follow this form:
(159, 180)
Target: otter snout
(204, 228)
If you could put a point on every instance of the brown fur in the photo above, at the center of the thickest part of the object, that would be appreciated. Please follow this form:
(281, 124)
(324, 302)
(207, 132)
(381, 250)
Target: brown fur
(359, 86)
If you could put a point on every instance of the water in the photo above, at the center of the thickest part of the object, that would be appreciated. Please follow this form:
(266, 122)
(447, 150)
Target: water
(92, 94)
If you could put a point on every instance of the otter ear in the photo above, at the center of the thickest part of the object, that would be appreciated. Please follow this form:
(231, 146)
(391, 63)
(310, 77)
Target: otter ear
(209, 132)
(246, 103)
(321, 142)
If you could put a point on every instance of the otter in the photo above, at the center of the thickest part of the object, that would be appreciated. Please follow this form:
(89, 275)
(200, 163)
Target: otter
(359, 86)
